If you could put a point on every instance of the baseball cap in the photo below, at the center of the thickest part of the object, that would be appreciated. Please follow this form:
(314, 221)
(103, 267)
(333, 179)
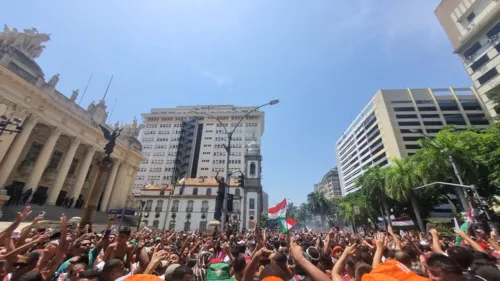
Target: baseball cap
(218, 272)
(337, 249)
(170, 271)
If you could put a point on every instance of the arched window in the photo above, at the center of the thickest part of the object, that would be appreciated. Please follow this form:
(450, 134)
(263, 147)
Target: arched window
(149, 205)
(175, 206)
(209, 191)
(237, 192)
(195, 191)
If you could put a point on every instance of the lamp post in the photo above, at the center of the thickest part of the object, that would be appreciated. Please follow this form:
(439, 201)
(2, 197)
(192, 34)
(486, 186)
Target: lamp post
(4, 122)
(228, 152)
(461, 193)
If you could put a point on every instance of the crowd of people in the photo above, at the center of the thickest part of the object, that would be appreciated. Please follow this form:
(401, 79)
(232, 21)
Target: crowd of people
(71, 253)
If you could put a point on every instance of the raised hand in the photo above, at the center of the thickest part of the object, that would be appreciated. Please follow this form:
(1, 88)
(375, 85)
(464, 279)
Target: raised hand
(380, 240)
(295, 249)
(24, 214)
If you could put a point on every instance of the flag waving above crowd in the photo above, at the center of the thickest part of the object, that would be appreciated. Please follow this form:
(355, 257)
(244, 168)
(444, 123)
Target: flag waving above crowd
(278, 212)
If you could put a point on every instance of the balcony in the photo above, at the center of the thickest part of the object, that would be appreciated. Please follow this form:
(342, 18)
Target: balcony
(189, 210)
(158, 209)
(147, 209)
(204, 210)
(174, 209)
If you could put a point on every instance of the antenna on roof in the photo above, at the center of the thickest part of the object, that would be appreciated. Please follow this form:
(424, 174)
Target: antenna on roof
(112, 110)
(109, 84)
(85, 89)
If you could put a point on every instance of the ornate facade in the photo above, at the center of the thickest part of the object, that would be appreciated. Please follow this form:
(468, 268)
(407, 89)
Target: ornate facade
(56, 154)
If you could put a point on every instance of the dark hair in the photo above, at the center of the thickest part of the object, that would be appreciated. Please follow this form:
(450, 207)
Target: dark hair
(461, 255)
(33, 275)
(84, 265)
(108, 268)
(280, 258)
(180, 271)
(445, 263)
(403, 258)
(488, 273)
(239, 264)
(191, 263)
(126, 230)
(326, 260)
(89, 274)
(366, 258)
(480, 260)
(272, 270)
(361, 269)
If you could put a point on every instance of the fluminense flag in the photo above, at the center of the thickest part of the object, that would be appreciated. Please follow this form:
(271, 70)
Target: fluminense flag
(465, 226)
(286, 223)
(278, 211)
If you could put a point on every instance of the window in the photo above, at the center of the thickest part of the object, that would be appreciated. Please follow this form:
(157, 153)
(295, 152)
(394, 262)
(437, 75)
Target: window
(378, 158)
(471, 17)
(470, 105)
(404, 109)
(493, 31)
(454, 119)
(480, 62)
(478, 119)
(406, 116)
(209, 191)
(33, 153)
(72, 168)
(411, 138)
(427, 108)
(149, 205)
(412, 146)
(189, 207)
(237, 192)
(432, 131)
(175, 206)
(204, 206)
(448, 105)
(156, 223)
(472, 50)
(409, 123)
(487, 76)
(433, 123)
(54, 161)
(406, 131)
(251, 203)
(159, 205)
(195, 191)
(430, 115)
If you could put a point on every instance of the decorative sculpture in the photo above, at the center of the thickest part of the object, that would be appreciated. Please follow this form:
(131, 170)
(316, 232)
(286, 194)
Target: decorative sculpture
(53, 81)
(29, 42)
(74, 95)
(111, 137)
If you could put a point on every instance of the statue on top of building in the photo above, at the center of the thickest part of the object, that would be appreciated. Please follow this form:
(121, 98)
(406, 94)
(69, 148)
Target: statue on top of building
(132, 130)
(53, 81)
(29, 42)
(74, 95)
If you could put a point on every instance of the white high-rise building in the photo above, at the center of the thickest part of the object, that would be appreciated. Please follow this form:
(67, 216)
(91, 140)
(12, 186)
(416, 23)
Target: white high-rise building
(473, 27)
(393, 122)
(330, 184)
(185, 142)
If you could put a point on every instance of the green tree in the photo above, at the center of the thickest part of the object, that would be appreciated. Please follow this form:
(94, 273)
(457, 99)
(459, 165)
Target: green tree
(372, 184)
(303, 214)
(401, 179)
(318, 205)
(494, 96)
(347, 209)
(264, 220)
(291, 210)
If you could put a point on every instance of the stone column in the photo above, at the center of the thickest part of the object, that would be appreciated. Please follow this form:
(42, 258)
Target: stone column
(109, 186)
(63, 172)
(114, 202)
(43, 159)
(16, 148)
(82, 173)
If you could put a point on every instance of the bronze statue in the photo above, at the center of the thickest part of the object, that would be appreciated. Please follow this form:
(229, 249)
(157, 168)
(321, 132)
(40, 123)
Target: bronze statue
(111, 137)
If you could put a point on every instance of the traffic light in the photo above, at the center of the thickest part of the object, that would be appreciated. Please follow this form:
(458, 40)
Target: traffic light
(229, 203)
(241, 181)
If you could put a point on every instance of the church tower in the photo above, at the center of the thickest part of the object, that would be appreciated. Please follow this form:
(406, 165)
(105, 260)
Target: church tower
(252, 206)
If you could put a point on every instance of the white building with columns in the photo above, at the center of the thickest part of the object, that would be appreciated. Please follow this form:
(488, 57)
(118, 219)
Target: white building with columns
(57, 152)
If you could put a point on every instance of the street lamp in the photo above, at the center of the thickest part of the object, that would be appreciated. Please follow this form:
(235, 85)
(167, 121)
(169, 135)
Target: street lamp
(452, 161)
(4, 122)
(228, 151)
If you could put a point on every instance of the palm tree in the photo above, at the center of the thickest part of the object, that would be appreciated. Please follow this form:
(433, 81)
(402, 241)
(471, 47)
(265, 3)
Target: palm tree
(303, 214)
(372, 183)
(401, 180)
(318, 205)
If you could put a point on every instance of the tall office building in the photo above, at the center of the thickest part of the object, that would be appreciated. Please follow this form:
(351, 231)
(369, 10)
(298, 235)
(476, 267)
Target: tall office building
(183, 142)
(386, 126)
(473, 27)
(330, 184)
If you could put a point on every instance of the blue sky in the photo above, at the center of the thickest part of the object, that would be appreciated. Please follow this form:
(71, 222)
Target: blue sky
(323, 59)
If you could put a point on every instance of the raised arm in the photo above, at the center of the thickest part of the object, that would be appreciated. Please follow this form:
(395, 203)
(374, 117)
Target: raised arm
(436, 247)
(311, 270)
(395, 237)
(469, 241)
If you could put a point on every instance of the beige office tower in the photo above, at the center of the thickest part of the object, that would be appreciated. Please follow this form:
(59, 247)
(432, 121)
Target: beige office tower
(393, 122)
(473, 27)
